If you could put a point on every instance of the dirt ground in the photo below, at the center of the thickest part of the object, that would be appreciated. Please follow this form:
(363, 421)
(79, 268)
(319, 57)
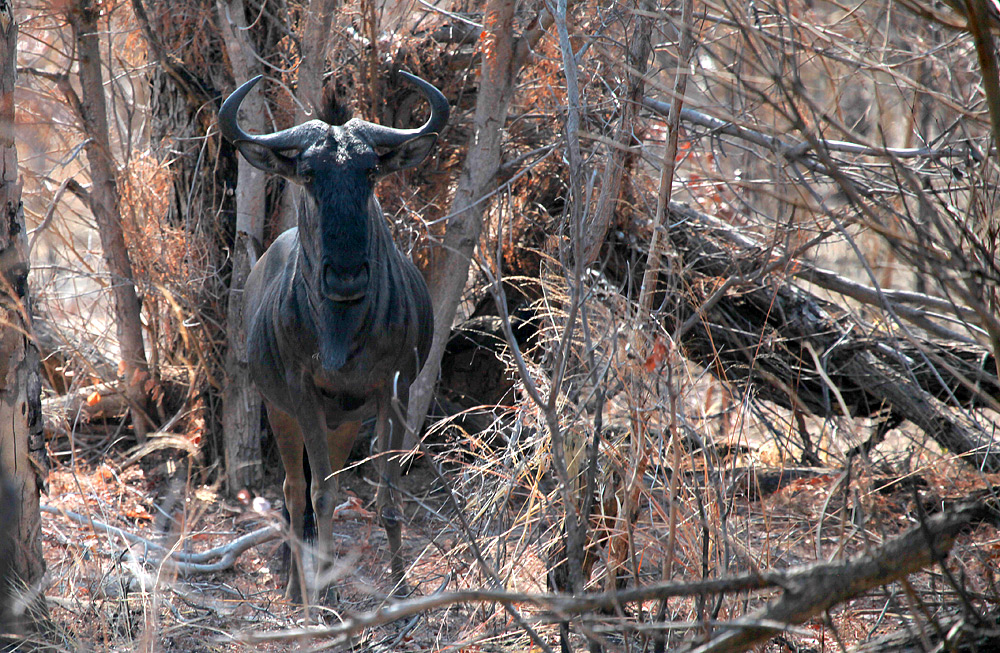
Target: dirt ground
(101, 599)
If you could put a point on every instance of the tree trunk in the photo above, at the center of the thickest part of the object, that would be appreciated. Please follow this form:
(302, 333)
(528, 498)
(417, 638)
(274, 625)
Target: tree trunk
(504, 57)
(23, 465)
(308, 88)
(496, 88)
(769, 333)
(620, 158)
(105, 204)
(315, 36)
(240, 401)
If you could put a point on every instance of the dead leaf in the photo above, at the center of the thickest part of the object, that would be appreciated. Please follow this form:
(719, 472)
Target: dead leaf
(655, 359)
(139, 513)
(352, 509)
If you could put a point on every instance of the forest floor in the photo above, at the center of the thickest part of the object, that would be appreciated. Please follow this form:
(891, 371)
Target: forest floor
(98, 601)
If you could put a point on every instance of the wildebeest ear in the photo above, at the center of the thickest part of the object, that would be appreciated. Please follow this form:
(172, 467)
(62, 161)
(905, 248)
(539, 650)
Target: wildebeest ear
(267, 159)
(407, 155)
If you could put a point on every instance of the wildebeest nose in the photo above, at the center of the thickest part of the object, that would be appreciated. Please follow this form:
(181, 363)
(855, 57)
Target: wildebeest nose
(344, 285)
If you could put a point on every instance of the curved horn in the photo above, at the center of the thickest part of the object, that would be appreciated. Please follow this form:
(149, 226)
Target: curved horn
(228, 123)
(383, 136)
(230, 127)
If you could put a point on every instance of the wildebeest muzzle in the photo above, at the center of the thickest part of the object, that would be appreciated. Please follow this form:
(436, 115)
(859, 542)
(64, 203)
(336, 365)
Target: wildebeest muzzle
(344, 285)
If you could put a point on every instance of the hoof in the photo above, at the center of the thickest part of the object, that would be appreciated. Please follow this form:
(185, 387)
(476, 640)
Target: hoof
(295, 596)
(329, 597)
(293, 591)
(401, 590)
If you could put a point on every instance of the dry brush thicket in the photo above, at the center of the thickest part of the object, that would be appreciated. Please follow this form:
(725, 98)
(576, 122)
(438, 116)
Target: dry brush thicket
(723, 368)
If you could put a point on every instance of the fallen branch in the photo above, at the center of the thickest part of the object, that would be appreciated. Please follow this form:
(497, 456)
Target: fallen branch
(813, 590)
(101, 401)
(910, 305)
(741, 318)
(808, 590)
(186, 564)
(560, 604)
(955, 633)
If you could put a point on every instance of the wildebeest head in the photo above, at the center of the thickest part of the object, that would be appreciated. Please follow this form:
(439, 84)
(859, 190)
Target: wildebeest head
(337, 166)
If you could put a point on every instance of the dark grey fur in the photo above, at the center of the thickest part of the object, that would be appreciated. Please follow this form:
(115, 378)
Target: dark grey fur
(338, 320)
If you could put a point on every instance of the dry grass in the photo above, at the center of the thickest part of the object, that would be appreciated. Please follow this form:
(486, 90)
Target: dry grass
(674, 493)
(102, 601)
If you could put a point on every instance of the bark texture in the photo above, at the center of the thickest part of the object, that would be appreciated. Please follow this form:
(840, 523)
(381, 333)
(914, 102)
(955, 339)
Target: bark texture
(813, 590)
(742, 318)
(105, 204)
(620, 158)
(240, 401)
(315, 36)
(500, 66)
(23, 466)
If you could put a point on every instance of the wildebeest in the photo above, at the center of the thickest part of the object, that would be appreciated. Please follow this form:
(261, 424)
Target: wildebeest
(338, 320)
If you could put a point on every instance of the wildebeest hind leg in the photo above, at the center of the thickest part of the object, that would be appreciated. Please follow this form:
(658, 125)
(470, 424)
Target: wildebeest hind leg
(390, 441)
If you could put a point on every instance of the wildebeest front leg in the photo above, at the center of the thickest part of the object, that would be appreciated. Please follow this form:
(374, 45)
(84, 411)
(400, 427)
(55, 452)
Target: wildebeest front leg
(340, 442)
(289, 440)
(390, 440)
(314, 435)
